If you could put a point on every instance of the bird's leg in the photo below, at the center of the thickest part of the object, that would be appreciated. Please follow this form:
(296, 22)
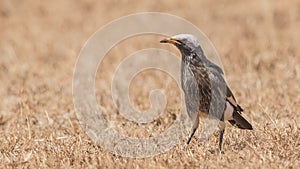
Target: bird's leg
(222, 129)
(221, 138)
(192, 134)
(195, 126)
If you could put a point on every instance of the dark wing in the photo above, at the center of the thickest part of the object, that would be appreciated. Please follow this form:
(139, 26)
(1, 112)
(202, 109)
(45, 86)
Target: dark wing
(218, 90)
(238, 119)
(229, 96)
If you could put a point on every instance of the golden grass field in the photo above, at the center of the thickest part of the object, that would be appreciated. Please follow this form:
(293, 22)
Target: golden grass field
(258, 42)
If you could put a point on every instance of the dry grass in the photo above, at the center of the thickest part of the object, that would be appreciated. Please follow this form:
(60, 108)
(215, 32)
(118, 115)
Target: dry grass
(258, 42)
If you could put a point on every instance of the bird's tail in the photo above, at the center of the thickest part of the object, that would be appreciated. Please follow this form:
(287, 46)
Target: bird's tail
(240, 121)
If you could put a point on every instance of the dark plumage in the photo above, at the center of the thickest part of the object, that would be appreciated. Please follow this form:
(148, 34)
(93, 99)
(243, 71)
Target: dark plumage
(206, 92)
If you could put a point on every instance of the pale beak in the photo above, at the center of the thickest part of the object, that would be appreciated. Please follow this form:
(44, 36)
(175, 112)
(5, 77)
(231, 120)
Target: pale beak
(172, 41)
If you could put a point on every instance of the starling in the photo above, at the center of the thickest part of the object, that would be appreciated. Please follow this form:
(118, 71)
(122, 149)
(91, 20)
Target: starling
(205, 90)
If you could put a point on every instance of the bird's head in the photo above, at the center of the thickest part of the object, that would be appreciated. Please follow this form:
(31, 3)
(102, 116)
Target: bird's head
(188, 45)
(183, 42)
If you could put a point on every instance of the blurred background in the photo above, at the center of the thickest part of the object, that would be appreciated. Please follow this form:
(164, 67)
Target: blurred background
(39, 44)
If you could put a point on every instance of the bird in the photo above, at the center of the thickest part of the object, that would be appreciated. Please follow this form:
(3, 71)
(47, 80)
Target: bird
(205, 89)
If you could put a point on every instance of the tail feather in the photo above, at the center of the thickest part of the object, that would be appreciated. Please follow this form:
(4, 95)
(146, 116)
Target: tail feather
(240, 121)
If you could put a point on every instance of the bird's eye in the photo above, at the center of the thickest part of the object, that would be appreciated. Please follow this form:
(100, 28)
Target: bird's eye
(193, 55)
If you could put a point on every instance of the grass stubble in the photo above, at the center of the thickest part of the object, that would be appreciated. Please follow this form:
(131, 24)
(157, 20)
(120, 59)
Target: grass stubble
(39, 44)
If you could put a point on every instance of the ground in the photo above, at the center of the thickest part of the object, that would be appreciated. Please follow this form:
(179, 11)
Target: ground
(258, 43)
